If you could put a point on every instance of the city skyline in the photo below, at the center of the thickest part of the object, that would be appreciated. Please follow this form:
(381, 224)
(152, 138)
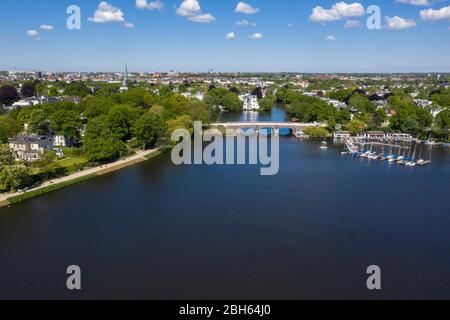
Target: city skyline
(232, 36)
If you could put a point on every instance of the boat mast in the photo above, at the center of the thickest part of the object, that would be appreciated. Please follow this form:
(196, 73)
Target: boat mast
(414, 154)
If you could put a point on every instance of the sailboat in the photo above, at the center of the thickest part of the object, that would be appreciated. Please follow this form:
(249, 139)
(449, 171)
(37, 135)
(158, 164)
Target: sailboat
(412, 163)
(420, 161)
(401, 157)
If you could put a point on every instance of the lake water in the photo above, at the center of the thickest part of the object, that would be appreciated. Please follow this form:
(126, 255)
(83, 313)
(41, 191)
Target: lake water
(157, 231)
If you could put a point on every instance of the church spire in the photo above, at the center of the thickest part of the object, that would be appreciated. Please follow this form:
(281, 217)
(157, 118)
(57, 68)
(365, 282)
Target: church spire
(125, 79)
(125, 76)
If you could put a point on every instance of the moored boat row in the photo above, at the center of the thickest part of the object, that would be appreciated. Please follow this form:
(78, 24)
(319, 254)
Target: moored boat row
(403, 156)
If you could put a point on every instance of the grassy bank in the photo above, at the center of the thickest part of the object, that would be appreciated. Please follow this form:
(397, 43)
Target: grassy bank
(57, 186)
(157, 153)
(51, 188)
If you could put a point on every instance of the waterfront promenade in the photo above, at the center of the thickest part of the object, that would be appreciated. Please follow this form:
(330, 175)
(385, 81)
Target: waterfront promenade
(100, 170)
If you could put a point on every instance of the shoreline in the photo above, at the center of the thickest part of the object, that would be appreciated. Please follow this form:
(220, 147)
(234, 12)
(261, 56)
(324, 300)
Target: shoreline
(7, 199)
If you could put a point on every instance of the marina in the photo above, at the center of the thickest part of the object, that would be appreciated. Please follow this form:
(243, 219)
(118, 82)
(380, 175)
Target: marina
(403, 154)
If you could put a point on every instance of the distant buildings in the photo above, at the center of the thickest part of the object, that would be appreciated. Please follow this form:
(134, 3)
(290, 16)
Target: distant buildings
(27, 102)
(250, 102)
(199, 95)
(336, 103)
(423, 103)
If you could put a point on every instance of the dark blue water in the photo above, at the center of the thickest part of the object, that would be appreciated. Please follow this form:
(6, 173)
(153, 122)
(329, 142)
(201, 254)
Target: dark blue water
(157, 231)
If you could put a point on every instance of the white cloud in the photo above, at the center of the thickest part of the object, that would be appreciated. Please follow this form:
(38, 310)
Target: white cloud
(230, 36)
(435, 15)
(290, 25)
(47, 27)
(32, 33)
(193, 11)
(128, 25)
(203, 18)
(338, 11)
(350, 24)
(415, 2)
(244, 23)
(153, 5)
(397, 23)
(256, 36)
(331, 38)
(245, 8)
(107, 13)
(189, 8)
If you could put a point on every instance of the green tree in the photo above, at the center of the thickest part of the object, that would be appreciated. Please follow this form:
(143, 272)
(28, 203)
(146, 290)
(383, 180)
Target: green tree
(37, 122)
(28, 89)
(232, 103)
(217, 97)
(379, 117)
(310, 109)
(356, 126)
(443, 120)
(77, 89)
(199, 111)
(133, 97)
(150, 100)
(100, 143)
(148, 128)
(107, 89)
(181, 122)
(266, 103)
(120, 120)
(341, 94)
(95, 106)
(53, 92)
(9, 128)
(13, 178)
(7, 157)
(42, 89)
(174, 106)
(342, 116)
(316, 132)
(66, 123)
(360, 102)
(8, 95)
(412, 120)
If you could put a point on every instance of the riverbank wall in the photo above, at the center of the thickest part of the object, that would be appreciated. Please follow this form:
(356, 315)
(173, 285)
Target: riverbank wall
(80, 177)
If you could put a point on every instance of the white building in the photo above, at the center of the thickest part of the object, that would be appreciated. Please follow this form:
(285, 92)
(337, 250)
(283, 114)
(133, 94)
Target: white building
(30, 147)
(28, 102)
(342, 135)
(335, 103)
(250, 102)
(199, 95)
(61, 141)
(423, 103)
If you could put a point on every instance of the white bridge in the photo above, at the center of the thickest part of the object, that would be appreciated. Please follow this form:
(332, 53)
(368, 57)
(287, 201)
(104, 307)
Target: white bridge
(295, 127)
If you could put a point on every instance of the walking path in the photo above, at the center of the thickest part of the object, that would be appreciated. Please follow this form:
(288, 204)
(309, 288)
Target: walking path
(139, 157)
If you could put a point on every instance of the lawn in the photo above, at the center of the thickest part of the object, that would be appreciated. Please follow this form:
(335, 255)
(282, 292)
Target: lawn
(72, 164)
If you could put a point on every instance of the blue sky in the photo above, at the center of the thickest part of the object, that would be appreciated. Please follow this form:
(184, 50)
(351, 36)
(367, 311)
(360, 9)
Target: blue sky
(292, 38)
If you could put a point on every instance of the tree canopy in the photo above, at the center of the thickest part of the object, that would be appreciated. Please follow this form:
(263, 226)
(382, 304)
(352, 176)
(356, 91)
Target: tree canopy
(8, 95)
